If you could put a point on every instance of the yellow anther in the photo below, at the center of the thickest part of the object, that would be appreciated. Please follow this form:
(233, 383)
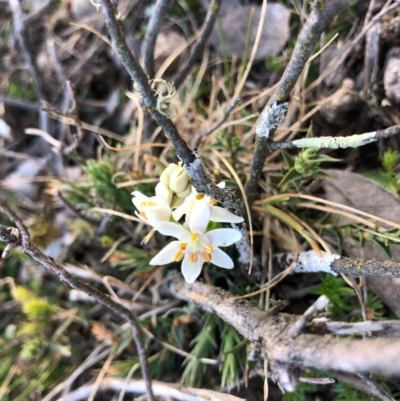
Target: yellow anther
(194, 236)
(143, 214)
(183, 245)
(206, 256)
(193, 257)
(209, 248)
(146, 203)
(200, 196)
(178, 256)
(213, 201)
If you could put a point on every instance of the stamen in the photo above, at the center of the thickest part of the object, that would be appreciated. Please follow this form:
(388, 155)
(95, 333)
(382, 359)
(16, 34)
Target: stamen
(213, 201)
(178, 256)
(143, 214)
(146, 203)
(200, 196)
(209, 248)
(193, 257)
(183, 245)
(206, 256)
(194, 236)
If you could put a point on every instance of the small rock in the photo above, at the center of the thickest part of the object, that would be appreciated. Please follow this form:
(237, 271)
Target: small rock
(343, 103)
(391, 76)
(235, 22)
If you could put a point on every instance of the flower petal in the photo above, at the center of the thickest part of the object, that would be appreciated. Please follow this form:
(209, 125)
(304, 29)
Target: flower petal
(200, 217)
(191, 270)
(221, 259)
(174, 230)
(156, 214)
(138, 198)
(164, 193)
(182, 209)
(223, 236)
(166, 255)
(222, 215)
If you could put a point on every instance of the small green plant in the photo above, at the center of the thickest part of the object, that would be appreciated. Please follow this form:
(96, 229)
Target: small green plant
(204, 346)
(305, 166)
(233, 356)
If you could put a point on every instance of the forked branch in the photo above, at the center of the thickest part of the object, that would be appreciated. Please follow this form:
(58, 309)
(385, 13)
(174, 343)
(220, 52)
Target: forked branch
(288, 354)
(275, 112)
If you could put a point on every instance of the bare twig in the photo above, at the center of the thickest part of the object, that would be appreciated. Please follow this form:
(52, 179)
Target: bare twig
(218, 124)
(76, 211)
(355, 42)
(288, 355)
(363, 385)
(71, 113)
(313, 262)
(23, 104)
(274, 113)
(168, 390)
(38, 12)
(153, 27)
(23, 242)
(206, 30)
(389, 328)
(319, 305)
(36, 75)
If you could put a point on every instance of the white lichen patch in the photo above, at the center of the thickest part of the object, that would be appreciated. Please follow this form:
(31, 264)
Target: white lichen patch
(330, 142)
(243, 246)
(195, 170)
(271, 118)
(315, 262)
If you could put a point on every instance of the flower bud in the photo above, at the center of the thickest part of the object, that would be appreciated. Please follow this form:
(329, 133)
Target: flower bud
(166, 174)
(177, 202)
(179, 182)
(184, 194)
(163, 192)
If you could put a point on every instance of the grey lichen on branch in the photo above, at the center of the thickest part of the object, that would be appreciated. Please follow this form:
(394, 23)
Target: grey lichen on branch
(190, 160)
(323, 262)
(319, 19)
(149, 103)
(329, 142)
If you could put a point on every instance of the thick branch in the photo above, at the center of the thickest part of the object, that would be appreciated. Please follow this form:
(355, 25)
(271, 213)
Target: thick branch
(23, 242)
(313, 262)
(288, 355)
(275, 112)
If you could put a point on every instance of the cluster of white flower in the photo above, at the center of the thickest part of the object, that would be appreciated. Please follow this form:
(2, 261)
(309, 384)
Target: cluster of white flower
(174, 198)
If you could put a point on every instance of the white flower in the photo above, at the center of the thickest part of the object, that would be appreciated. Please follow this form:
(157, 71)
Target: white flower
(152, 210)
(196, 246)
(217, 214)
